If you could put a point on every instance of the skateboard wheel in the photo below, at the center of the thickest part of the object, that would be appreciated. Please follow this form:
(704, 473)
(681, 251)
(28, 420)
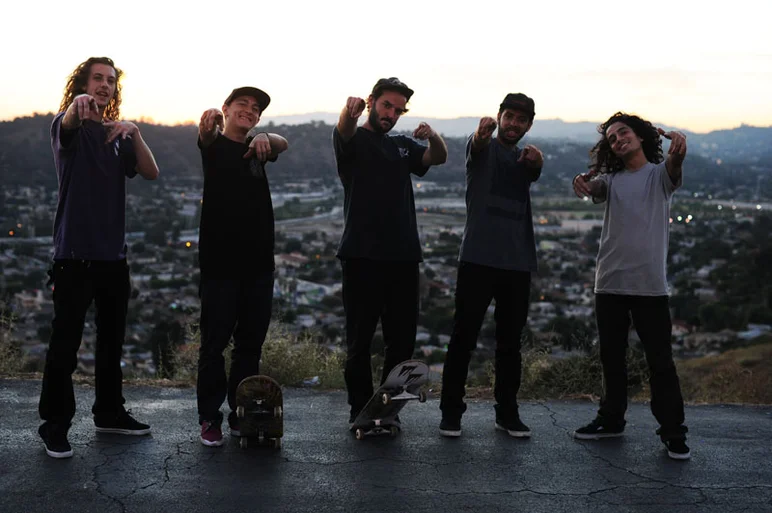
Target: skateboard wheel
(393, 431)
(243, 442)
(386, 398)
(240, 412)
(276, 443)
(260, 437)
(422, 397)
(360, 434)
(277, 412)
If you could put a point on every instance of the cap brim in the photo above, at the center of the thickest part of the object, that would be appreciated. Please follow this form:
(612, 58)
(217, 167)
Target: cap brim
(258, 94)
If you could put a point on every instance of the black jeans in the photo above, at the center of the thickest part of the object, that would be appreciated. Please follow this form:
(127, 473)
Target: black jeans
(76, 284)
(375, 290)
(230, 308)
(476, 286)
(651, 317)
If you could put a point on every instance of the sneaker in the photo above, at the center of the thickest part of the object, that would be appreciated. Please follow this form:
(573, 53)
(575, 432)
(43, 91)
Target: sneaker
(211, 434)
(55, 438)
(450, 427)
(596, 430)
(515, 428)
(677, 449)
(121, 423)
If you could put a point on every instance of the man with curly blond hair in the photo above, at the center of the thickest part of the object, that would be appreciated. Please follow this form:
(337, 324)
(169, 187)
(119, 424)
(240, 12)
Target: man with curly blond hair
(94, 153)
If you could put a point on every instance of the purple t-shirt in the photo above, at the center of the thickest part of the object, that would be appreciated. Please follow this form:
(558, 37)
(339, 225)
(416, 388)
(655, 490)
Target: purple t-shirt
(90, 221)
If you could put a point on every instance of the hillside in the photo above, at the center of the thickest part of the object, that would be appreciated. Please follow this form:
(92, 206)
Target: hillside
(25, 156)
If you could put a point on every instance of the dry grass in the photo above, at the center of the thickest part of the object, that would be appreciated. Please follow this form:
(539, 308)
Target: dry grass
(12, 359)
(286, 358)
(736, 376)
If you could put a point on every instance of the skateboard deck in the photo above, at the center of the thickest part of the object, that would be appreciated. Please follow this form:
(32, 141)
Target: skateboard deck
(259, 408)
(401, 385)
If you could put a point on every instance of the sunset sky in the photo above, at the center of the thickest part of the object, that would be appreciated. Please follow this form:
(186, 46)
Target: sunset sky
(695, 65)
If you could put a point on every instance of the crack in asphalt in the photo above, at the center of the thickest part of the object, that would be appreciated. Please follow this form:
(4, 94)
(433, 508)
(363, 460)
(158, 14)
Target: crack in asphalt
(700, 489)
(97, 482)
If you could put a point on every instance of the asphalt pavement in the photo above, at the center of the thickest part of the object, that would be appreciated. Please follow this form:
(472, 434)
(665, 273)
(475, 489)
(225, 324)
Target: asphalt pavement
(321, 467)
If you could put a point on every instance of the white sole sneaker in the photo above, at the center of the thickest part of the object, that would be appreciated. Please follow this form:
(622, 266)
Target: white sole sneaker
(118, 431)
(679, 456)
(212, 444)
(599, 436)
(516, 434)
(452, 433)
(59, 455)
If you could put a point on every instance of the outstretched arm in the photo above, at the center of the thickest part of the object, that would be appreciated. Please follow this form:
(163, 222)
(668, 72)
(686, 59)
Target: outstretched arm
(676, 154)
(437, 152)
(482, 136)
(347, 122)
(266, 146)
(83, 107)
(146, 165)
(533, 159)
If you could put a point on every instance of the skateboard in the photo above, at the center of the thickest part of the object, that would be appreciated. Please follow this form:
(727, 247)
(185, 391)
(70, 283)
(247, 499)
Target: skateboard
(401, 385)
(259, 408)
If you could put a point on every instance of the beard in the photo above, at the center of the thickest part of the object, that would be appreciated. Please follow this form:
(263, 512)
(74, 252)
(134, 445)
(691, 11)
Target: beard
(508, 139)
(375, 123)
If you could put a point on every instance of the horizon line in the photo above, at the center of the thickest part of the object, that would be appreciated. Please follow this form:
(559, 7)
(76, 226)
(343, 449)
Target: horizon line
(149, 120)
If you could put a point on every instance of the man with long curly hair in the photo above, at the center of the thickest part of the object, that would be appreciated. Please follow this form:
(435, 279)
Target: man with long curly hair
(94, 152)
(629, 173)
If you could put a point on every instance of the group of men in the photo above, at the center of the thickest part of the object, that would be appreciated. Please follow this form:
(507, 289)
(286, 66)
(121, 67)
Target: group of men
(379, 252)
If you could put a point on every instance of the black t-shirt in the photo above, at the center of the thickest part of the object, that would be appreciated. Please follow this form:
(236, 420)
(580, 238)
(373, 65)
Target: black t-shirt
(378, 207)
(236, 238)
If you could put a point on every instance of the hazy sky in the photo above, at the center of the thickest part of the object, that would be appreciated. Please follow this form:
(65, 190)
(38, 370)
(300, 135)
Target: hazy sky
(697, 65)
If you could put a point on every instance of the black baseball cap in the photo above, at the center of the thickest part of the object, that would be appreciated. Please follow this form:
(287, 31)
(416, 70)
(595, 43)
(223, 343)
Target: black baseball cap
(258, 94)
(392, 84)
(518, 101)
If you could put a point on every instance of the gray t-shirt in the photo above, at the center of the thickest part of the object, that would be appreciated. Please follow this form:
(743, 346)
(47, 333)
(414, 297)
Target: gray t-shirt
(499, 224)
(636, 229)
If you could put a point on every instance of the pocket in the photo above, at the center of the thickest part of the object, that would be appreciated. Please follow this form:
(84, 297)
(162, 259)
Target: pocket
(60, 274)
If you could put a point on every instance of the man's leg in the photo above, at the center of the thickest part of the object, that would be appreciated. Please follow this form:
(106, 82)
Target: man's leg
(363, 303)
(399, 318)
(220, 302)
(612, 313)
(251, 328)
(512, 292)
(474, 291)
(111, 298)
(651, 316)
(72, 297)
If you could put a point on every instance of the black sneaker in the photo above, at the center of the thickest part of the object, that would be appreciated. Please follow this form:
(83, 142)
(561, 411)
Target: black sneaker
(596, 430)
(55, 438)
(677, 449)
(450, 427)
(121, 423)
(514, 427)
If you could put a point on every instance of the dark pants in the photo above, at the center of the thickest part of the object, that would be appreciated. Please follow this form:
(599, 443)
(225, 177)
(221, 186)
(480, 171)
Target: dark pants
(76, 284)
(230, 308)
(375, 290)
(651, 317)
(476, 286)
